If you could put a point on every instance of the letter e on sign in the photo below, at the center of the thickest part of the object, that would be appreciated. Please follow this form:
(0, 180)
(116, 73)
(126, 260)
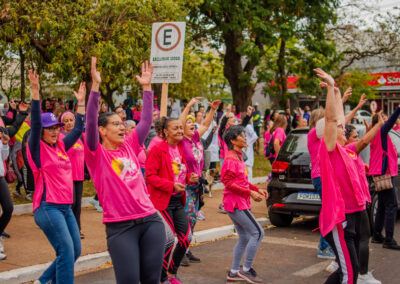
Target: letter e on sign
(168, 37)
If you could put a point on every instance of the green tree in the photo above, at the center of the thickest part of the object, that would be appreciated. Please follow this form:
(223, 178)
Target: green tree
(248, 29)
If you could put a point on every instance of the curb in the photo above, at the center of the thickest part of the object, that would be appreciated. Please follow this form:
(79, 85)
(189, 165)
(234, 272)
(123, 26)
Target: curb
(91, 261)
(22, 209)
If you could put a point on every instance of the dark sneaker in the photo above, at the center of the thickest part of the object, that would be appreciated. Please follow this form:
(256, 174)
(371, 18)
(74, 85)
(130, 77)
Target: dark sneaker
(185, 261)
(377, 239)
(391, 245)
(250, 276)
(192, 258)
(233, 277)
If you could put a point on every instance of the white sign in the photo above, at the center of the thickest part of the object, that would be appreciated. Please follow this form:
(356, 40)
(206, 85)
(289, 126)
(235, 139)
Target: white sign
(167, 44)
(373, 106)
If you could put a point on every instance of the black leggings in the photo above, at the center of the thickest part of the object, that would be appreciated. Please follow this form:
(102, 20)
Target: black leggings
(136, 249)
(6, 204)
(177, 219)
(365, 234)
(345, 240)
(76, 206)
(386, 213)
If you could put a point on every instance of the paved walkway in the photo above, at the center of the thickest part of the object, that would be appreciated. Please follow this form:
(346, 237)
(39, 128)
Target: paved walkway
(29, 246)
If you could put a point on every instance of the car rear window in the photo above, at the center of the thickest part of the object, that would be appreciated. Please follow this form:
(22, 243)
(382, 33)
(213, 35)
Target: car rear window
(296, 143)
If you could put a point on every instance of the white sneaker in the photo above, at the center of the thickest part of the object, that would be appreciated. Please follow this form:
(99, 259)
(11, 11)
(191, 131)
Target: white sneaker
(332, 267)
(1, 245)
(2, 256)
(367, 279)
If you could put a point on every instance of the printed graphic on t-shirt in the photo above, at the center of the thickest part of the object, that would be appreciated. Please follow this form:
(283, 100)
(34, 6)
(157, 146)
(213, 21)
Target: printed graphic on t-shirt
(179, 169)
(77, 146)
(61, 155)
(125, 168)
(351, 154)
(198, 152)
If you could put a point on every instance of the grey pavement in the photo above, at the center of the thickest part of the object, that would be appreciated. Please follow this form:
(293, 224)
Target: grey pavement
(286, 255)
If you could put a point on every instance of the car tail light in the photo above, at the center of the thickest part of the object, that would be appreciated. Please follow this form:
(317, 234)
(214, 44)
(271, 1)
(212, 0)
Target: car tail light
(279, 205)
(279, 167)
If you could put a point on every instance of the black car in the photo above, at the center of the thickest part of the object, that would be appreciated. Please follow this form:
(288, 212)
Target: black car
(291, 192)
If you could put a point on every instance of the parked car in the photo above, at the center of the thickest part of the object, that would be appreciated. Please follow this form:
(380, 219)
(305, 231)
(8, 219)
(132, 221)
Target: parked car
(291, 192)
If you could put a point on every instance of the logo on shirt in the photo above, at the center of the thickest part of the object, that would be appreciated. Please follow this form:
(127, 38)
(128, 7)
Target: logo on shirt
(351, 154)
(77, 146)
(61, 156)
(125, 168)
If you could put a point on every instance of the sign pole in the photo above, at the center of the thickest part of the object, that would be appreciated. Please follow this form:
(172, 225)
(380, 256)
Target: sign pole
(164, 99)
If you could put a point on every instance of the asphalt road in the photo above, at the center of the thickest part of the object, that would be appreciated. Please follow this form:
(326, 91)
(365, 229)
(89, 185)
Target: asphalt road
(286, 255)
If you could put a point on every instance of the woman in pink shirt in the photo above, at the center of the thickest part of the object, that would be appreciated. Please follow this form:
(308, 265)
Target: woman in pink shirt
(236, 201)
(54, 192)
(76, 156)
(135, 232)
(278, 134)
(344, 193)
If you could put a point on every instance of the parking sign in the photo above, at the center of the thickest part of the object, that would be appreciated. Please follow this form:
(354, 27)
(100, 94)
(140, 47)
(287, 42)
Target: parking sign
(167, 47)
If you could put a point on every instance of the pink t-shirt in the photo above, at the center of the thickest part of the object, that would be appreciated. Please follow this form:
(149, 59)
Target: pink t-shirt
(77, 158)
(313, 143)
(231, 199)
(154, 142)
(348, 177)
(267, 139)
(55, 173)
(119, 182)
(137, 115)
(142, 157)
(178, 167)
(193, 152)
(279, 134)
(361, 170)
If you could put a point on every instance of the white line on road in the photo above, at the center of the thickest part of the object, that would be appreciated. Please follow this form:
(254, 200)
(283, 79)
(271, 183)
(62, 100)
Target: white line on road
(290, 242)
(313, 269)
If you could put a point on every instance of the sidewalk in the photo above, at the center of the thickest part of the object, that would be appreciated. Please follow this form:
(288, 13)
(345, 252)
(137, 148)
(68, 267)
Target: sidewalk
(28, 245)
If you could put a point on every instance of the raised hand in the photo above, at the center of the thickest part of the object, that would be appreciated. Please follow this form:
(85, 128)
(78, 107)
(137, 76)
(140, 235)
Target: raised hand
(195, 100)
(13, 105)
(362, 101)
(323, 85)
(4, 138)
(347, 94)
(367, 126)
(96, 76)
(381, 120)
(145, 78)
(215, 104)
(23, 106)
(34, 80)
(325, 76)
(81, 94)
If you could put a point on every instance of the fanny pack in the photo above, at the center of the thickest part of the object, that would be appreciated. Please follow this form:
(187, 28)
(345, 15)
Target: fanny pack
(383, 182)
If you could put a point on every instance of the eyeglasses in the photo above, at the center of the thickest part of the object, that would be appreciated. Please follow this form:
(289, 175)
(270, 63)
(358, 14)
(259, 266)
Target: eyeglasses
(54, 128)
(117, 123)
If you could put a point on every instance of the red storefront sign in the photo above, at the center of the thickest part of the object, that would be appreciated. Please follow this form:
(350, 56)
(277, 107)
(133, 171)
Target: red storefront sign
(385, 79)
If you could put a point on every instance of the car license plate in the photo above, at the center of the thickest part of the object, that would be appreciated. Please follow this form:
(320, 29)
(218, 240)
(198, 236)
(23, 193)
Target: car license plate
(302, 195)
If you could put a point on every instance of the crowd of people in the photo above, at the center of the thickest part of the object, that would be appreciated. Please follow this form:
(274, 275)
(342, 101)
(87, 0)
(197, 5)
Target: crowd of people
(150, 173)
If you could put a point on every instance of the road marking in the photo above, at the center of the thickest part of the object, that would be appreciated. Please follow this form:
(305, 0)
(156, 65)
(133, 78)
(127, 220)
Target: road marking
(313, 269)
(290, 242)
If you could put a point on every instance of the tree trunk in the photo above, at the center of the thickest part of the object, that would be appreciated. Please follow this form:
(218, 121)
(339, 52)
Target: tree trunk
(157, 92)
(242, 89)
(317, 99)
(22, 73)
(282, 83)
(108, 96)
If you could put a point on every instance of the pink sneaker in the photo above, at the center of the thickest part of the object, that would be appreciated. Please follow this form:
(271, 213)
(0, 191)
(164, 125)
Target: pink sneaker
(174, 281)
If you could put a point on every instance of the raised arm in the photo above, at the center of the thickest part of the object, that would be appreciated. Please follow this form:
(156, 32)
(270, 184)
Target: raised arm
(331, 115)
(339, 107)
(186, 111)
(390, 122)
(351, 115)
(36, 120)
(367, 138)
(146, 120)
(209, 117)
(92, 133)
(76, 132)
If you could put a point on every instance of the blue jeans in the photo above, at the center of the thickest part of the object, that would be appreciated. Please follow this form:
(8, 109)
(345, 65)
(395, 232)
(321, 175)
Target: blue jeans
(58, 223)
(323, 244)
